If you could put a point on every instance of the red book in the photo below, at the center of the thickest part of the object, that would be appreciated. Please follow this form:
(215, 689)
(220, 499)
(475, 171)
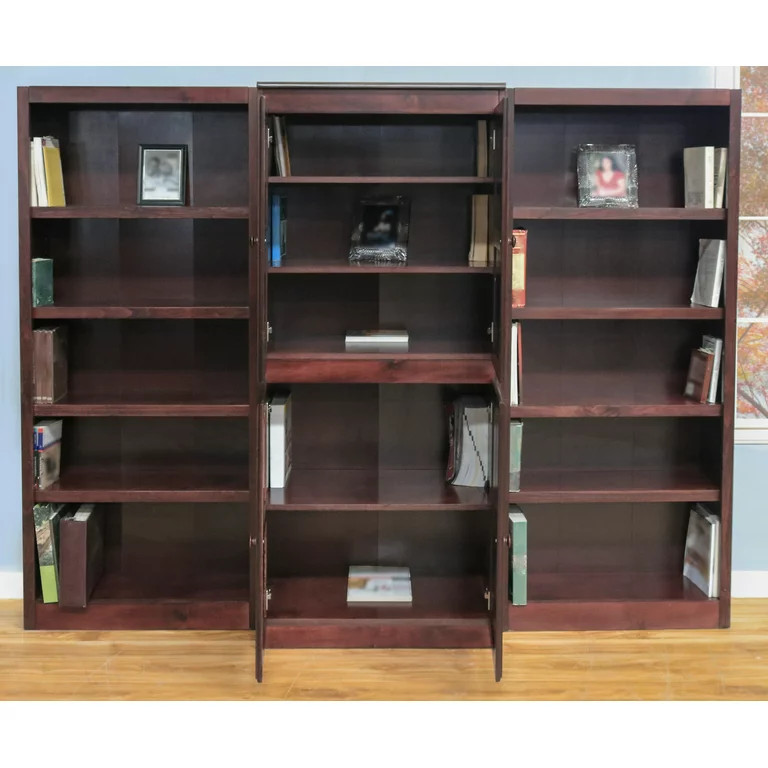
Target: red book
(519, 247)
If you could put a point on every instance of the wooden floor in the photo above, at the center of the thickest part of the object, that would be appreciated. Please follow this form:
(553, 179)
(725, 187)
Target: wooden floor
(705, 664)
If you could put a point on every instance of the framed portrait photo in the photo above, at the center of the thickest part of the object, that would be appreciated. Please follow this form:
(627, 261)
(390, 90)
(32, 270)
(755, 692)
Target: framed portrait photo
(607, 175)
(381, 231)
(162, 174)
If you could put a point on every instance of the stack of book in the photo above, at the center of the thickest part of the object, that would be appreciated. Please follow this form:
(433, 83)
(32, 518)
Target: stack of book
(708, 283)
(49, 363)
(470, 434)
(395, 340)
(46, 180)
(378, 584)
(279, 140)
(279, 447)
(706, 169)
(70, 552)
(47, 448)
(704, 371)
(701, 565)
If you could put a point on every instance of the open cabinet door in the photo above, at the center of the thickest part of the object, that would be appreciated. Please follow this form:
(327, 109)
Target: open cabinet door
(258, 170)
(500, 156)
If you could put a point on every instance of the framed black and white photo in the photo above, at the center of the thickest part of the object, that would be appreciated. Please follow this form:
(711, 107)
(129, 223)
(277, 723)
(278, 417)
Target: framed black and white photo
(607, 176)
(162, 174)
(381, 231)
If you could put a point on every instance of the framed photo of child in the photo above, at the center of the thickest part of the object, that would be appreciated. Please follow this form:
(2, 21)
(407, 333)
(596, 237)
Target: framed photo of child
(607, 175)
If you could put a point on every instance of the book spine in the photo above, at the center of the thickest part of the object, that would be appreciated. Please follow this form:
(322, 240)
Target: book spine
(275, 252)
(42, 282)
(515, 454)
(39, 168)
(277, 446)
(518, 562)
(519, 253)
(42, 365)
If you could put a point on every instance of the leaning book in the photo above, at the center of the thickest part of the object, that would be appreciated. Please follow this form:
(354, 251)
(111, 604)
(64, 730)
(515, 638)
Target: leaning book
(46, 518)
(701, 565)
(708, 283)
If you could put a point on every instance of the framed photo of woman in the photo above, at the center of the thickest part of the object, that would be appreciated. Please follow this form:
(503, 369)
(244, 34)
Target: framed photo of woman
(607, 176)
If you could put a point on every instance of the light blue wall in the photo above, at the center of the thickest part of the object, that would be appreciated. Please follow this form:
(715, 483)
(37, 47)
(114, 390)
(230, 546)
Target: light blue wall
(750, 526)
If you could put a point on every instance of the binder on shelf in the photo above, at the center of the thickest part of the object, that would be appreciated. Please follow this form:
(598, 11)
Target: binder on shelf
(279, 430)
(81, 555)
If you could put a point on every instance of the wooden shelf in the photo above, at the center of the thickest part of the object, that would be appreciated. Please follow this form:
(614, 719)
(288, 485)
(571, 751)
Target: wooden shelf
(446, 612)
(96, 312)
(616, 313)
(621, 601)
(614, 485)
(406, 489)
(146, 404)
(470, 180)
(194, 483)
(309, 267)
(524, 212)
(140, 212)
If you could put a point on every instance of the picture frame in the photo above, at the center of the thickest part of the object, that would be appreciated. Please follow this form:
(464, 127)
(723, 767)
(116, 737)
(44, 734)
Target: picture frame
(162, 174)
(380, 233)
(607, 176)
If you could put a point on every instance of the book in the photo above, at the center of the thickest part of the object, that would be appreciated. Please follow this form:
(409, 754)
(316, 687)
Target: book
(49, 363)
(42, 282)
(38, 171)
(478, 245)
(721, 175)
(708, 284)
(81, 555)
(395, 340)
(54, 178)
(282, 158)
(699, 172)
(471, 422)
(519, 253)
(518, 556)
(32, 179)
(278, 230)
(699, 375)
(286, 151)
(46, 517)
(701, 564)
(713, 345)
(515, 453)
(279, 431)
(47, 452)
(378, 584)
(482, 147)
(515, 359)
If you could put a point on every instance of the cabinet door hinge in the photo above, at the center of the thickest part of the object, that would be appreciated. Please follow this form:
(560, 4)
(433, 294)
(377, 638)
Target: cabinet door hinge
(493, 139)
(491, 330)
(269, 137)
(252, 241)
(487, 596)
(269, 330)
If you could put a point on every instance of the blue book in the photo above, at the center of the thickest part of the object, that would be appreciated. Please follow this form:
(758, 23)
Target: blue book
(277, 231)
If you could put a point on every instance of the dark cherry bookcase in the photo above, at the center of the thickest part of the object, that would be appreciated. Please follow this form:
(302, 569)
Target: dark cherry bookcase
(180, 331)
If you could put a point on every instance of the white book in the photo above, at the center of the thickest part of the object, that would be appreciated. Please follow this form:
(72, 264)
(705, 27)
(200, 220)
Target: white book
(699, 171)
(515, 454)
(702, 551)
(32, 179)
(39, 165)
(721, 174)
(475, 437)
(715, 346)
(378, 584)
(514, 389)
(478, 247)
(709, 273)
(279, 440)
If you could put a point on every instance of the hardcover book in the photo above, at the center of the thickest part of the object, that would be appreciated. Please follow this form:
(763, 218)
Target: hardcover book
(518, 556)
(378, 584)
(394, 340)
(49, 363)
(478, 245)
(701, 565)
(42, 282)
(278, 229)
(699, 375)
(516, 359)
(471, 420)
(279, 430)
(515, 453)
(519, 255)
(54, 178)
(38, 171)
(46, 518)
(699, 170)
(714, 346)
(708, 284)
(721, 174)
(81, 555)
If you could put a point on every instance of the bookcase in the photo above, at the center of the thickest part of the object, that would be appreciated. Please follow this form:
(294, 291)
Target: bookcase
(180, 331)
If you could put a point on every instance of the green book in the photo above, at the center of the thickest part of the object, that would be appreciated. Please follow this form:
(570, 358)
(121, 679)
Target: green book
(518, 556)
(47, 535)
(515, 453)
(42, 282)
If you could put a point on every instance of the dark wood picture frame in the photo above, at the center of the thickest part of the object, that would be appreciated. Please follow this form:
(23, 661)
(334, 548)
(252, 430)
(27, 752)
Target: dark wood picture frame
(182, 149)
